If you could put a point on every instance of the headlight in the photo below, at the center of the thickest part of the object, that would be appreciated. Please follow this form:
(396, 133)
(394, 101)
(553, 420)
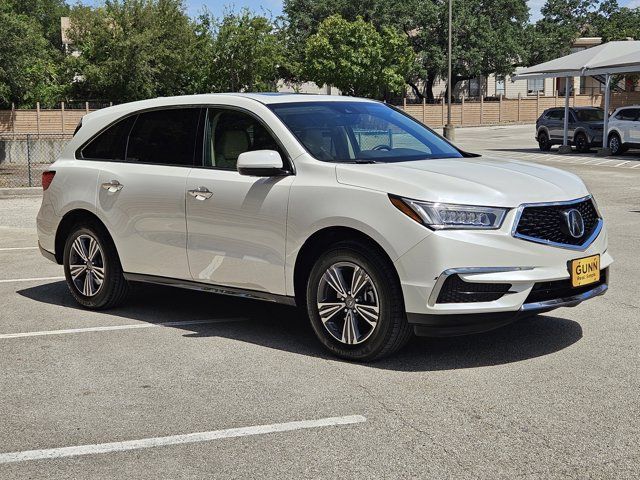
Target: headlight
(440, 216)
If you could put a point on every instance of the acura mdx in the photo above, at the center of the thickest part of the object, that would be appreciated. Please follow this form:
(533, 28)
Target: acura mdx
(376, 226)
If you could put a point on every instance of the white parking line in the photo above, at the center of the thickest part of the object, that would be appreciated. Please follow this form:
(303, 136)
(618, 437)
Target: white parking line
(37, 279)
(621, 163)
(636, 166)
(51, 453)
(130, 326)
(10, 249)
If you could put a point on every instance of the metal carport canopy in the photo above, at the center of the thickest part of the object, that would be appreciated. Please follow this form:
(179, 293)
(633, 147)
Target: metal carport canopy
(605, 59)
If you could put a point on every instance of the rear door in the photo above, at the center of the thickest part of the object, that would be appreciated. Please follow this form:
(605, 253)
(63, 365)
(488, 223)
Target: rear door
(141, 196)
(555, 124)
(633, 125)
(237, 225)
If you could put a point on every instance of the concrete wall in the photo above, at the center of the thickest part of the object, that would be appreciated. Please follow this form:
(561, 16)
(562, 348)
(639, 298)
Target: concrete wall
(33, 151)
(23, 160)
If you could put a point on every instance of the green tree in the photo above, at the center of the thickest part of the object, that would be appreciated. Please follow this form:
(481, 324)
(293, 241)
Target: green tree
(45, 12)
(358, 59)
(487, 34)
(29, 65)
(613, 22)
(562, 22)
(248, 53)
(134, 49)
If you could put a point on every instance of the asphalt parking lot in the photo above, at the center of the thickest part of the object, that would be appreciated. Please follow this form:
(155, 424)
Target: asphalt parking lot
(122, 394)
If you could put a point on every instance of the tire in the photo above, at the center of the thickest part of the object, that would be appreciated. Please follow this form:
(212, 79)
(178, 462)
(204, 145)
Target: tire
(582, 143)
(615, 144)
(378, 286)
(543, 141)
(90, 252)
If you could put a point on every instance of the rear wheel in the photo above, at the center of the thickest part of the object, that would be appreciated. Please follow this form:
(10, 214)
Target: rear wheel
(615, 144)
(355, 303)
(582, 143)
(543, 141)
(92, 268)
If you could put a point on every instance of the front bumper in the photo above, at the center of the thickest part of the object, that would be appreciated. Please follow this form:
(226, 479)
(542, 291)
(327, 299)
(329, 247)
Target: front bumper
(464, 324)
(491, 257)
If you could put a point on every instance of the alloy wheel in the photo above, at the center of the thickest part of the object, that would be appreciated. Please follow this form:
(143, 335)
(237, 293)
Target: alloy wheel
(614, 144)
(86, 265)
(348, 304)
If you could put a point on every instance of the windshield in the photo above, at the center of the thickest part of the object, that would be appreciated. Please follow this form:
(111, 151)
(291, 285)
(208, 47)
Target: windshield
(359, 132)
(591, 115)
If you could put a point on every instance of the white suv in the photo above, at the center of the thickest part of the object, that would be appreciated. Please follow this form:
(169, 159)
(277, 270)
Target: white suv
(624, 129)
(347, 207)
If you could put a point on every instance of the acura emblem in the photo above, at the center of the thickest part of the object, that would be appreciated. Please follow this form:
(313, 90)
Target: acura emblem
(575, 222)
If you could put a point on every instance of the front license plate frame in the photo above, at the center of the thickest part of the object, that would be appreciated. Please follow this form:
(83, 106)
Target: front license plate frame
(585, 270)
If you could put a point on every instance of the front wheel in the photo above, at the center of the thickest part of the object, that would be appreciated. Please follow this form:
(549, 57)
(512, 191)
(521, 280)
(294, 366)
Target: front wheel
(355, 303)
(92, 268)
(615, 144)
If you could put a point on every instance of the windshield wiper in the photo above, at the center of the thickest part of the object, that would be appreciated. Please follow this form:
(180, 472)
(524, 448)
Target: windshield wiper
(363, 161)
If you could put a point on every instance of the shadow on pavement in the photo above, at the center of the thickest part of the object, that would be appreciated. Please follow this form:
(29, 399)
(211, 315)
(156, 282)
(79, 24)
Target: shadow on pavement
(633, 155)
(287, 329)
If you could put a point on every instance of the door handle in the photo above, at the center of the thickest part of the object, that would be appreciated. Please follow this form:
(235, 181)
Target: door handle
(112, 186)
(200, 193)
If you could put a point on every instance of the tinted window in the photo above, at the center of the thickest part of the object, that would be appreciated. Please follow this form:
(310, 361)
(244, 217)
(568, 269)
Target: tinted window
(230, 133)
(555, 115)
(164, 137)
(630, 114)
(110, 144)
(591, 115)
(361, 132)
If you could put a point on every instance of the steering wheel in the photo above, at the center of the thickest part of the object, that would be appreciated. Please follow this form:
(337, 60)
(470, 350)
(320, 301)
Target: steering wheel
(382, 147)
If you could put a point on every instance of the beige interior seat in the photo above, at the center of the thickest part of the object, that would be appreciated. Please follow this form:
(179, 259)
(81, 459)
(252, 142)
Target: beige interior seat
(229, 145)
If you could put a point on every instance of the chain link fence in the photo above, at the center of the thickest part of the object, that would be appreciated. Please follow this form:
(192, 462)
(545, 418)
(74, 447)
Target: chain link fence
(23, 157)
(368, 139)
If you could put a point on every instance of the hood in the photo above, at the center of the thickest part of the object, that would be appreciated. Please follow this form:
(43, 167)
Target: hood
(473, 181)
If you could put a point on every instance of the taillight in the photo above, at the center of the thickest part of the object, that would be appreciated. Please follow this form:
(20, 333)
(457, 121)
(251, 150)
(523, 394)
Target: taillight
(47, 178)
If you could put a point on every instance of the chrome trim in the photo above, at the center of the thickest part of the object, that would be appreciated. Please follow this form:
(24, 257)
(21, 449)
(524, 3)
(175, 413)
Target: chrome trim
(465, 270)
(583, 246)
(566, 301)
(200, 193)
(207, 287)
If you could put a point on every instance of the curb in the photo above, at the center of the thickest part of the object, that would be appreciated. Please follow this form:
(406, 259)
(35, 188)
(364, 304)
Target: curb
(20, 192)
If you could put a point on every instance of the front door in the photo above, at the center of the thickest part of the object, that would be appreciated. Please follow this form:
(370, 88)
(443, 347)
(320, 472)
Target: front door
(236, 224)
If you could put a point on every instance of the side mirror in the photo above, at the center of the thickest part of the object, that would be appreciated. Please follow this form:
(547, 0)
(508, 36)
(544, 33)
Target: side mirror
(261, 163)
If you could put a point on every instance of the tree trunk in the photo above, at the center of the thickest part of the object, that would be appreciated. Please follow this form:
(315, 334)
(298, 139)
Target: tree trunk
(431, 80)
(416, 90)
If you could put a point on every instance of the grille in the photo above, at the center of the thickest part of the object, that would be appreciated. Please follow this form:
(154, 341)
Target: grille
(543, 291)
(456, 290)
(548, 224)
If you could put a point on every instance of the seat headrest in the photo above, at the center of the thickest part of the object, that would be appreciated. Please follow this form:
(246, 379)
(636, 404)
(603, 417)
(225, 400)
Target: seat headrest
(231, 143)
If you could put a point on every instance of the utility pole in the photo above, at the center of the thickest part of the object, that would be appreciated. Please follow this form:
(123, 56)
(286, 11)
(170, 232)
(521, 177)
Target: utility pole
(449, 131)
